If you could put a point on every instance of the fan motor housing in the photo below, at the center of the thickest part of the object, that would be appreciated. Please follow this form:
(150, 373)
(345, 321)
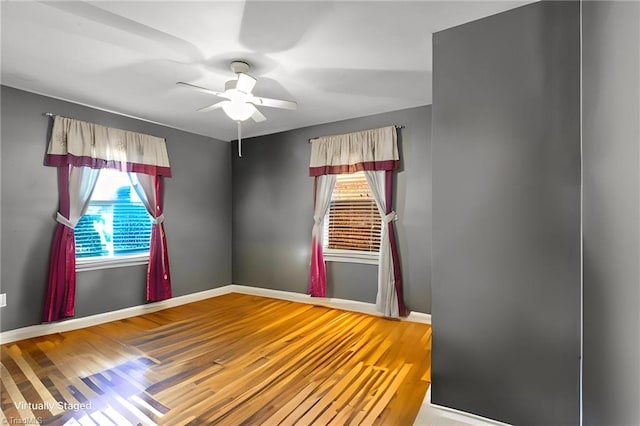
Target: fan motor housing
(239, 66)
(230, 85)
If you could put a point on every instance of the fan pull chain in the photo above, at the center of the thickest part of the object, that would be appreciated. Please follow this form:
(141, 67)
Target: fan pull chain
(239, 139)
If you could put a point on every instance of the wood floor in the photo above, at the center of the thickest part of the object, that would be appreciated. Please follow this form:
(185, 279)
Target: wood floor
(231, 360)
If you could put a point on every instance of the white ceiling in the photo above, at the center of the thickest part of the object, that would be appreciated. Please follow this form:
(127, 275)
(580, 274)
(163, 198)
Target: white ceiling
(338, 60)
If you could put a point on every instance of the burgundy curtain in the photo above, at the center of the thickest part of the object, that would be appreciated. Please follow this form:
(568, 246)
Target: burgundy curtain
(150, 191)
(323, 188)
(61, 291)
(75, 187)
(402, 309)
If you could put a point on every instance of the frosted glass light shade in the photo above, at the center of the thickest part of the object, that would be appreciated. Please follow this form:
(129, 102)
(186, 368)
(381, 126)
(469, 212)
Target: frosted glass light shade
(238, 111)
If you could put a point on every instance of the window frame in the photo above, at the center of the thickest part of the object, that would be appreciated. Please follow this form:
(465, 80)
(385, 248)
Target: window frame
(351, 256)
(344, 255)
(112, 261)
(105, 262)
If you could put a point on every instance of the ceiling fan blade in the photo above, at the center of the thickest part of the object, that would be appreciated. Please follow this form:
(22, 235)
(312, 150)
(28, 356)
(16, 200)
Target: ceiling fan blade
(274, 103)
(202, 89)
(258, 116)
(172, 47)
(245, 82)
(214, 106)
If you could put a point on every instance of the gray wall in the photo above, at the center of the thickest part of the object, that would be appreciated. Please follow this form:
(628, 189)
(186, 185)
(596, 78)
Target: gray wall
(197, 209)
(272, 211)
(611, 147)
(506, 209)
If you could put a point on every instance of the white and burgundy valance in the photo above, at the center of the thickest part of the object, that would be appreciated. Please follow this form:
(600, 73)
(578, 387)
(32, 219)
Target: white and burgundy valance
(375, 149)
(83, 144)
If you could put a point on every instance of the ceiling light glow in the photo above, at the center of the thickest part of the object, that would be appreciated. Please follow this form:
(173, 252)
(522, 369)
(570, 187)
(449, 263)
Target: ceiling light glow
(238, 111)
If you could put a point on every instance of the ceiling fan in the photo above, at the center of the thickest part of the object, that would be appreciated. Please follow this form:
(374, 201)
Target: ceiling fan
(239, 102)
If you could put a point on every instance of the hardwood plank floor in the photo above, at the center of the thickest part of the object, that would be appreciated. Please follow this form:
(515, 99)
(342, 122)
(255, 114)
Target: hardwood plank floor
(231, 360)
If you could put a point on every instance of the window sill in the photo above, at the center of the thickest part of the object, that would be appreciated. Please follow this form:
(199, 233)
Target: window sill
(351, 256)
(94, 263)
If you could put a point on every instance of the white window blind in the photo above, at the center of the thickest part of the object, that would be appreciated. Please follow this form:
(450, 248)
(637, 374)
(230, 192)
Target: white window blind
(115, 226)
(353, 222)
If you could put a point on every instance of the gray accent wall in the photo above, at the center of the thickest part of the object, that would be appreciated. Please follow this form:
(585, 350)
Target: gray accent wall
(611, 147)
(197, 210)
(506, 216)
(272, 211)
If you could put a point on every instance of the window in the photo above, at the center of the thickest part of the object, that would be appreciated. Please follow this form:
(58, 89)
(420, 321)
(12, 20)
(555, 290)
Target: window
(116, 228)
(352, 224)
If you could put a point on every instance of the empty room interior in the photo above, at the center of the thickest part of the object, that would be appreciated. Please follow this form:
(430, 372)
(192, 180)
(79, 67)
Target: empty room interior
(319, 212)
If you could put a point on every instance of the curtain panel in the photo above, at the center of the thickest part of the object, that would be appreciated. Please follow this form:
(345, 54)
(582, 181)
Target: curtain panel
(389, 300)
(79, 150)
(75, 185)
(376, 152)
(323, 188)
(149, 189)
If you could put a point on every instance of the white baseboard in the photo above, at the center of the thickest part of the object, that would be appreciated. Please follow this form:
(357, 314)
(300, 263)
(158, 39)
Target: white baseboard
(330, 302)
(77, 323)
(433, 414)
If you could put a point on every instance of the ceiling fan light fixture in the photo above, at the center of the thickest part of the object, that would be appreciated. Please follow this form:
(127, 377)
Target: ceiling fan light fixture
(238, 111)
(239, 102)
